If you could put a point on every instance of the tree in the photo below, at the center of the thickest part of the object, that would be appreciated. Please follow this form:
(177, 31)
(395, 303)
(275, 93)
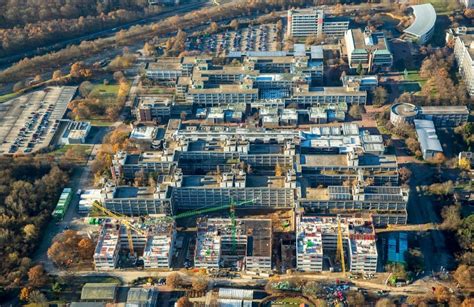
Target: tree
(148, 49)
(200, 283)
(86, 248)
(405, 174)
(19, 86)
(278, 170)
(384, 302)
(414, 260)
(37, 297)
(184, 302)
(464, 164)
(355, 112)
(464, 275)
(380, 96)
(56, 287)
(24, 294)
(38, 78)
(451, 217)
(465, 232)
(76, 69)
(85, 88)
(397, 269)
(37, 276)
(360, 70)
(312, 288)
(30, 231)
(438, 158)
(468, 302)
(412, 144)
(57, 74)
(213, 27)
(118, 76)
(234, 24)
(441, 294)
(355, 298)
(173, 280)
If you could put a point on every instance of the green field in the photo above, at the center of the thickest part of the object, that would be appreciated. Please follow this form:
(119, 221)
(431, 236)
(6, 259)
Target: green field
(414, 75)
(104, 91)
(81, 152)
(7, 97)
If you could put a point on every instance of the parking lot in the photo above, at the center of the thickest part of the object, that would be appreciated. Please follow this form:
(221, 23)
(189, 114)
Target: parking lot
(254, 38)
(29, 122)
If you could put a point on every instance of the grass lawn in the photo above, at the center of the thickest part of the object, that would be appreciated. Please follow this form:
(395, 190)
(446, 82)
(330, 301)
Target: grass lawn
(105, 91)
(101, 122)
(7, 97)
(82, 152)
(414, 75)
(441, 6)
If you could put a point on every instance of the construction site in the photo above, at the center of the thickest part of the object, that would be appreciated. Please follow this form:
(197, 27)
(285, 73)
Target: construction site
(218, 189)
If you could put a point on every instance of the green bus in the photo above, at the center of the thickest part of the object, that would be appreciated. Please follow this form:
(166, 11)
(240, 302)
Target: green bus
(63, 204)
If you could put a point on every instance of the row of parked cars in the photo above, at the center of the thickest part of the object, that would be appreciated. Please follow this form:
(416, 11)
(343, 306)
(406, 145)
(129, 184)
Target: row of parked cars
(34, 130)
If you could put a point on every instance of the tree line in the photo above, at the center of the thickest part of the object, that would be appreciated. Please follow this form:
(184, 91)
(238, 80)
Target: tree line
(166, 27)
(42, 33)
(21, 12)
(29, 190)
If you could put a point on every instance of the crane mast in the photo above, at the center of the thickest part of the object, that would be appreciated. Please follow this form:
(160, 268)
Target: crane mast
(340, 247)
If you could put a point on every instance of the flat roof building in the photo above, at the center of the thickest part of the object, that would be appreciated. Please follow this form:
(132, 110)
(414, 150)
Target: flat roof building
(312, 22)
(367, 49)
(429, 142)
(464, 55)
(316, 238)
(250, 248)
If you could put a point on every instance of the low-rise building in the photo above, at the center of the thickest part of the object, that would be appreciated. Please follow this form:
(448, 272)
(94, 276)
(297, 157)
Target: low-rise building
(156, 239)
(154, 108)
(99, 292)
(428, 139)
(245, 244)
(445, 116)
(75, 132)
(316, 239)
(142, 297)
(368, 50)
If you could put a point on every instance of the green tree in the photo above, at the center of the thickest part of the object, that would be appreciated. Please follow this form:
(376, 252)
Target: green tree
(380, 96)
(360, 70)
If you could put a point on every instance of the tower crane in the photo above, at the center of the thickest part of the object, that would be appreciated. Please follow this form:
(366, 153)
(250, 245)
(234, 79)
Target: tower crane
(124, 219)
(340, 247)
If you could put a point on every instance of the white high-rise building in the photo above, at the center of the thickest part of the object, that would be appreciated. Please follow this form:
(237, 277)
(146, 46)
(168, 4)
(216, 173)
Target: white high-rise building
(310, 22)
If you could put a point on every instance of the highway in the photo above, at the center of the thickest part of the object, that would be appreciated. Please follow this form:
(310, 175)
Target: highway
(6, 61)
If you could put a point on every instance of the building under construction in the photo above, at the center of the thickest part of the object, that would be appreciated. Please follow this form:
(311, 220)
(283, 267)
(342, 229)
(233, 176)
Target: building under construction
(242, 243)
(154, 243)
(316, 240)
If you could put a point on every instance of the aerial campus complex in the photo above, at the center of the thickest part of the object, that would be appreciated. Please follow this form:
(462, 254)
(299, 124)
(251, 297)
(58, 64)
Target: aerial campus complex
(316, 144)
(337, 170)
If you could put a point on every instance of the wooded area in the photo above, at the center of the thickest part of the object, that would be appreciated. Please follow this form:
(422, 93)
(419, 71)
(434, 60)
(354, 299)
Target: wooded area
(29, 190)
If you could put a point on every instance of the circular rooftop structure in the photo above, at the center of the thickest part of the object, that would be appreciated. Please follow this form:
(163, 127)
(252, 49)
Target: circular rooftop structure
(403, 113)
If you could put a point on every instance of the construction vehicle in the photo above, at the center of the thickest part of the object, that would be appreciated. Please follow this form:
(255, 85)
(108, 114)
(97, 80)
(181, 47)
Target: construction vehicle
(124, 219)
(340, 247)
